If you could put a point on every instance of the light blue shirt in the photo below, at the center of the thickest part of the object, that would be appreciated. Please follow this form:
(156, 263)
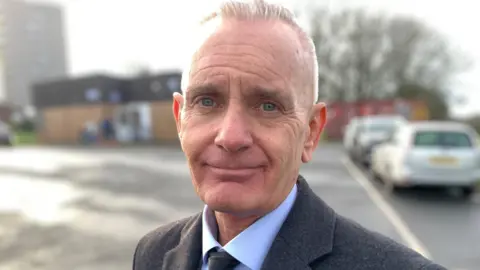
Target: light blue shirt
(251, 246)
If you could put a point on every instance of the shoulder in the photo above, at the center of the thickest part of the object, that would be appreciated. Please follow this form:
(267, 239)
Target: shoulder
(158, 242)
(373, 250)
(166, 235)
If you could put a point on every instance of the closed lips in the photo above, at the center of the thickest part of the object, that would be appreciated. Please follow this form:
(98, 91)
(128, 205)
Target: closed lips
(233, 168)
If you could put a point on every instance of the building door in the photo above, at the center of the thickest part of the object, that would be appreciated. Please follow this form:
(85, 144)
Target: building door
(133, 122)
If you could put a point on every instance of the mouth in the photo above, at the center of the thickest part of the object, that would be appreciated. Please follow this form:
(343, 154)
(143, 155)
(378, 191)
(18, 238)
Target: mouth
(234, 173)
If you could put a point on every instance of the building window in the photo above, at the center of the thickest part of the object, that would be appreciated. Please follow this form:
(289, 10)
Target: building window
(92, 94)
(115, 97)
(156, 86)
(173, 84)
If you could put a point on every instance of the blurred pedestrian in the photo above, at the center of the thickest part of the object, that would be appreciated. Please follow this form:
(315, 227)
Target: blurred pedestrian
(247, 120)
(108, 129)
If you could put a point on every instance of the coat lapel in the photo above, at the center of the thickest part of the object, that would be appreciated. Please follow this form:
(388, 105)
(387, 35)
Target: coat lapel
(306, 235)
(187, 255)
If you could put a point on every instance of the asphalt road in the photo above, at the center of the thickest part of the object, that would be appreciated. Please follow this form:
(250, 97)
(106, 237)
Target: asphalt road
(82, 209)
(448, 226)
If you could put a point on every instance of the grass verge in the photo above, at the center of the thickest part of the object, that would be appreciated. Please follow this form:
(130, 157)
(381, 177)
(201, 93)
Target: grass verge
(25, 138)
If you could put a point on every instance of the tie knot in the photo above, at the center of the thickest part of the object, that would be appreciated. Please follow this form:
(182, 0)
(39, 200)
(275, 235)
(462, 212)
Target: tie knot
(221, 261)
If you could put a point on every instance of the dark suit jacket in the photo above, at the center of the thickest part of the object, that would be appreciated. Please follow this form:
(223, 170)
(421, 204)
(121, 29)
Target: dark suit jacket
(312, 237)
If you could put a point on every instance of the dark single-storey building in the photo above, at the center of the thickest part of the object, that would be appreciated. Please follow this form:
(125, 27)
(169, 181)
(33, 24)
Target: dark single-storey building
(140, 108)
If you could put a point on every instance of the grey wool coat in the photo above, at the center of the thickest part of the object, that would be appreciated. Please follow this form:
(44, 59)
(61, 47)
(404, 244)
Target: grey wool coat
(312, 237)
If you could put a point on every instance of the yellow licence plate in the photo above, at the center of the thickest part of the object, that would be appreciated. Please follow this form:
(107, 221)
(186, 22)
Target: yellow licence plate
(443, 160)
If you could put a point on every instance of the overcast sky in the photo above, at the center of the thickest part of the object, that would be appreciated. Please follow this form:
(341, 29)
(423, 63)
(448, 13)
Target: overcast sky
(113, 35)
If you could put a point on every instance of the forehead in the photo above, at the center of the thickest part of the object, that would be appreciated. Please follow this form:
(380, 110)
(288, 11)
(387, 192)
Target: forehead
(251, 53)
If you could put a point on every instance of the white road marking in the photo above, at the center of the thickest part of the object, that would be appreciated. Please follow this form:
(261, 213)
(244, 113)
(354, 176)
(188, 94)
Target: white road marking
(400, 226)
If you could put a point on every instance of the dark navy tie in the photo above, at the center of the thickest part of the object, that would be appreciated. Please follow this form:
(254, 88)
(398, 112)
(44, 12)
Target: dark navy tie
(221, 261)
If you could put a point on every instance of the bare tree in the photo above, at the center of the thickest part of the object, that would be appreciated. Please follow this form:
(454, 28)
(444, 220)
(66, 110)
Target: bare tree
(369, 56)
(419, 54)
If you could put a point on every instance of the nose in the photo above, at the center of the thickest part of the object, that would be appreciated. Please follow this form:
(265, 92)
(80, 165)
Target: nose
(234, 133)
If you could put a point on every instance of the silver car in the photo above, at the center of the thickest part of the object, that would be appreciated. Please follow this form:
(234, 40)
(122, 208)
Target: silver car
(6, 136)
(371, 130)
(442, 154)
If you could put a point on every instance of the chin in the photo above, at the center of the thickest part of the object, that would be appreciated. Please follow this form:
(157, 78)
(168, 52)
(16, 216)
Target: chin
(232, 199)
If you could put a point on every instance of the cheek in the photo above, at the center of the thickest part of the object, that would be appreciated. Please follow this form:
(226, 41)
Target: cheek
(190, 135)
(197, 124)
(284, 142)
(194, 135)
(295, 142)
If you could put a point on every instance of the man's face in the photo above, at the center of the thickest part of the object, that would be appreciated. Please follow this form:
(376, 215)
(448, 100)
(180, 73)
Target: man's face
(245, 123)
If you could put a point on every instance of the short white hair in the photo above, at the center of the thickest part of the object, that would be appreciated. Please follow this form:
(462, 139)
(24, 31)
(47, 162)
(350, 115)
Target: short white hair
(261, 10)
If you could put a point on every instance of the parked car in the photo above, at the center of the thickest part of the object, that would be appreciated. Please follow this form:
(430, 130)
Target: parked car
(349, 134)
(443, 154)
(6, 136)
(370, 131)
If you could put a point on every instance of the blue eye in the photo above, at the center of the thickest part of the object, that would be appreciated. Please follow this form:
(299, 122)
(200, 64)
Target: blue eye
(268, 107)
(207, 102)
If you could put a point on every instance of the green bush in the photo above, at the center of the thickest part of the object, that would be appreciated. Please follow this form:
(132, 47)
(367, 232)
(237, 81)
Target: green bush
(25, 126)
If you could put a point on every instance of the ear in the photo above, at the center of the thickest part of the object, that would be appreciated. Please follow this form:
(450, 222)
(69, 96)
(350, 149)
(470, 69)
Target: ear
(177, 109)
(316, 124)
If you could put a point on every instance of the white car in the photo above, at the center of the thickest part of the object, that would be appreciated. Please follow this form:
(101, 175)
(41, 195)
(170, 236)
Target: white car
(442, 154)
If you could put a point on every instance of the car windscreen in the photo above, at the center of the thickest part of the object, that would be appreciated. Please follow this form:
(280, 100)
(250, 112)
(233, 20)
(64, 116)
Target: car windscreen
(377, 127)
(451, 139)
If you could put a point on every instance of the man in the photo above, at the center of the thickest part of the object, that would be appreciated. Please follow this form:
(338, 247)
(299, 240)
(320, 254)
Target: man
(247, 119)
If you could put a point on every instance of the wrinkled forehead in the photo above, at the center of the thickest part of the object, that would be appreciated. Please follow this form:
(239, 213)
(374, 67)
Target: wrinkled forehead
(263, 52)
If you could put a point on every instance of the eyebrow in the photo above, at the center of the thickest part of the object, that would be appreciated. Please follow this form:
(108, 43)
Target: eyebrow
(269, 93)
(204, 89)
(262, 92)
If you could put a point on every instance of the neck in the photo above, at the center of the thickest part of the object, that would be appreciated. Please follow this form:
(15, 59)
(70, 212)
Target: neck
(230, 226)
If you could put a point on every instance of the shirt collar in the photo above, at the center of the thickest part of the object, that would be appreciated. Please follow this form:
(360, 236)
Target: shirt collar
(262, 233)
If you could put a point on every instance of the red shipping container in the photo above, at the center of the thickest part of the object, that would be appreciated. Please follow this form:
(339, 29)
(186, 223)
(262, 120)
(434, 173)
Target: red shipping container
(340, 113)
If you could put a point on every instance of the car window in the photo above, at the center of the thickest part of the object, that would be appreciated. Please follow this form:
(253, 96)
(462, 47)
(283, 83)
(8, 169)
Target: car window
(377, 127)
(442, 139)
(381, 127)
